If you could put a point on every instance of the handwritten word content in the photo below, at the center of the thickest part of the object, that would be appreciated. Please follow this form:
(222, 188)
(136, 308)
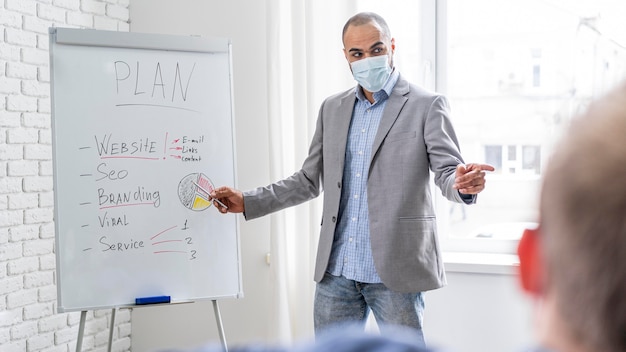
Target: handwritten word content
(157, 81)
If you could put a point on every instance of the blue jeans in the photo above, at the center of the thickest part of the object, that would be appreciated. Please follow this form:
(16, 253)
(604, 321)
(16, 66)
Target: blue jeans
(342, 302)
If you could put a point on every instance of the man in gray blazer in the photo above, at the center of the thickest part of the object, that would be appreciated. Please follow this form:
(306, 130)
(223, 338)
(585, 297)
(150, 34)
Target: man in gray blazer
(371, 154)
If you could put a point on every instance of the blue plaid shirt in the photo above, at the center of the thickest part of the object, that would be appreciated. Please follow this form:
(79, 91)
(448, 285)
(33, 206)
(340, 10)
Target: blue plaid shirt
(351, 254)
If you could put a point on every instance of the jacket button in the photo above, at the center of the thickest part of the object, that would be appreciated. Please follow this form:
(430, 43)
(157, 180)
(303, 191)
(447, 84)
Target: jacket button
(334, 219)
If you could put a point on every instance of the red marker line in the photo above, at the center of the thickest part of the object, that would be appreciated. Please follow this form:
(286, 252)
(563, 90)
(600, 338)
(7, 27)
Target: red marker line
(166, 241)
(126, 205)
(128, 157)
(160, 233)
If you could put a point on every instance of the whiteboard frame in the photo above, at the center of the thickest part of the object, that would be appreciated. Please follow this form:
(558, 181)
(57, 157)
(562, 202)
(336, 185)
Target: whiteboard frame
(93, 37)
(103, 38)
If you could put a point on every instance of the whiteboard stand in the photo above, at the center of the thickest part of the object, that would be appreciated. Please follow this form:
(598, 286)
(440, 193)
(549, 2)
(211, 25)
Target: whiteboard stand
(81, 330)
(220, 327)
(111, 329)
(83, 316)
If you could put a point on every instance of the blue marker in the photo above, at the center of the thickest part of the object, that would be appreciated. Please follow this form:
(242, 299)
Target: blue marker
(152, 300)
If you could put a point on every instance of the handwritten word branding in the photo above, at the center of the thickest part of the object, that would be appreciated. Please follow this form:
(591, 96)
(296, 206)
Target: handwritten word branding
(140, 196)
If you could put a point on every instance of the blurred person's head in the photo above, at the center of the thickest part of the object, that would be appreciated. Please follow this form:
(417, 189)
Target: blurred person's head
(575, 262)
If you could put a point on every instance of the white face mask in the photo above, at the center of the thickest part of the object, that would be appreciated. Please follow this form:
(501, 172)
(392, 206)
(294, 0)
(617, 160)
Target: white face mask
(372, 72)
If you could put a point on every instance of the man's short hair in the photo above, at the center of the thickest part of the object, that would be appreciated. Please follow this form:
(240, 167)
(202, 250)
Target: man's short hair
(366, 18)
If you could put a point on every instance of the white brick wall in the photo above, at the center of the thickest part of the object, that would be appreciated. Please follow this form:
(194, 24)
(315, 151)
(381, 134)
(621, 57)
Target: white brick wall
(28, 317)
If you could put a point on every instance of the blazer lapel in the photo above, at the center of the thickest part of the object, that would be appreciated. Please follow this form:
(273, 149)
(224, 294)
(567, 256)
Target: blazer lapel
(395, 102)
(341, 127)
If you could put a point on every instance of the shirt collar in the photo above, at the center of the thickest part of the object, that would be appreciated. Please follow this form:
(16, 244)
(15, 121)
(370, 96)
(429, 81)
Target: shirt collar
(383, 93)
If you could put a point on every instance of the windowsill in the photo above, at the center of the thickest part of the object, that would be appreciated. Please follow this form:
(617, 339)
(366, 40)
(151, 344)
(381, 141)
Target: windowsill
(481, 263)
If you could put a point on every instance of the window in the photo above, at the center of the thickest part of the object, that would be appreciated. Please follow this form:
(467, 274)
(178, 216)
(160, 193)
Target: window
(493, 156)
(516, 72)
(536, 63)
(506, 161)
(531, 159)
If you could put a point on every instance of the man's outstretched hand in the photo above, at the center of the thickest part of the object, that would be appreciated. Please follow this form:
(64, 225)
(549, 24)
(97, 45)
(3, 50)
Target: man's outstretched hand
(470, 178)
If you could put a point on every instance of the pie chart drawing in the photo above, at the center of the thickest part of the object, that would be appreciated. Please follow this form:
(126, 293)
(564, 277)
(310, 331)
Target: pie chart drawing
(192, 191)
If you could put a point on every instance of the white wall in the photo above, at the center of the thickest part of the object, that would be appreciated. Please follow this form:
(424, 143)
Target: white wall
(28, 318)
(478, 312)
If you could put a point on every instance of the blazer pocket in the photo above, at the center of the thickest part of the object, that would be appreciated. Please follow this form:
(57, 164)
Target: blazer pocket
(417, 218)
(419, 231)
(418, 240)
(393, 137)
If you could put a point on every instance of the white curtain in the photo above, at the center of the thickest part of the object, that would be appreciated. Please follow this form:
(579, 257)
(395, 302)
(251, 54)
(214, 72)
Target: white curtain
(287, 110)
(305, 64)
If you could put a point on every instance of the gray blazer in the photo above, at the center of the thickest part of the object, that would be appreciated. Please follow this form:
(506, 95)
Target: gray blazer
(415, 134)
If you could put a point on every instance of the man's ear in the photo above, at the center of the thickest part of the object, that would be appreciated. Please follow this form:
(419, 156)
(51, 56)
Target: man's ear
(531, 265)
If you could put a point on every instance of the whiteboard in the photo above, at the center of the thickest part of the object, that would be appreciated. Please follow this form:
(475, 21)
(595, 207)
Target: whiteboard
(141, 124)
